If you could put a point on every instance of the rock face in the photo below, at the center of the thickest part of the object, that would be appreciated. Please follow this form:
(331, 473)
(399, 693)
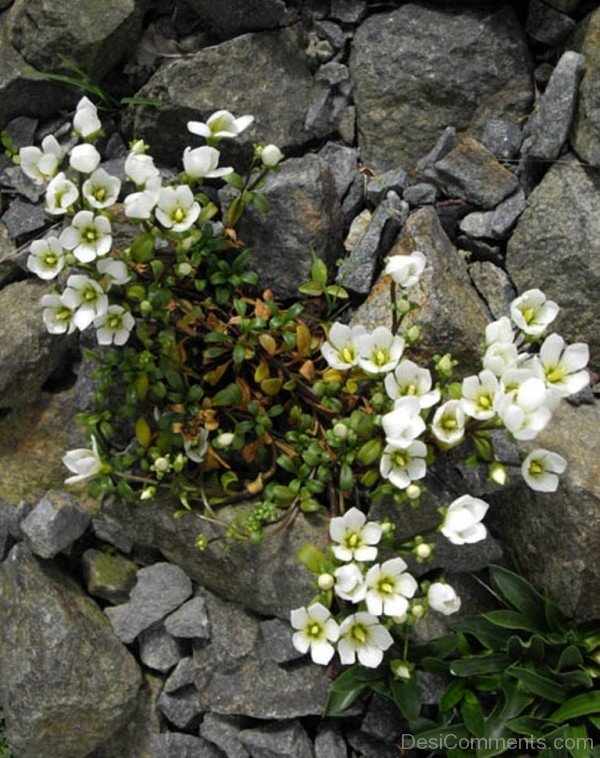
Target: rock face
(95, 40)
(230, 18)
(60, 663)
(556, 247)
(28, 354)
(220, 77)
(304, 217)
(557, 537)
(266, 578)
(585, 135)
(418, 69)
(450, 313)
(55, 523)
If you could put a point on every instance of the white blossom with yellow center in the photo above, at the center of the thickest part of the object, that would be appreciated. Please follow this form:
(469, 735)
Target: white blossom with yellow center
(353, 537)
(176, 208)
(389, 588)
(362, 636)
(316, 630)
(380, 351)
(341, 349)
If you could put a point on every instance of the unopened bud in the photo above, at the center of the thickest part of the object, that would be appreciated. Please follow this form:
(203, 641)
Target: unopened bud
(413, 333)
(224, 440)
(498, 473)
(401, 670)
(325, 582)
(403, 306)
(445, 364)
(413, 492)
(422, 551)
(161, 464)
(145, 308)
(418, 610)
(184, 269)
(148, 493)
(386, 527)
(340, 431)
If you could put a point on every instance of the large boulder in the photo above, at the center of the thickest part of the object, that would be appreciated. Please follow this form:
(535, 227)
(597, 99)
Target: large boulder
(556, 537)
(266, 578)
(96, 37)
(585, 134)
(304, 218)
(60, 663)
(228, 18)
(556, 247)
(450, 313)
(419, 69)
(265, 74)
(29, 355)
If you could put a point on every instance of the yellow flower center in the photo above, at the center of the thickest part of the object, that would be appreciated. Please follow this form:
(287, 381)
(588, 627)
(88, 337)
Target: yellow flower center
(179, 215)
(411, 390)
(314, 630)
(381, 357)
(50, 259)
(100, 194)
(353, 540)
(347, 354)
(449, 423)
(90, 234)
(386, 586)
(484, 402)
(64, 314)
(89, 295)
(555, 374)
(359, 634)
(399, 459)
(114, 322)
(528, 315)
(536, 468)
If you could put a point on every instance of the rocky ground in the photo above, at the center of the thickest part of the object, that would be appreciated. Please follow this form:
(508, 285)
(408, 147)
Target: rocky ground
(468, 131)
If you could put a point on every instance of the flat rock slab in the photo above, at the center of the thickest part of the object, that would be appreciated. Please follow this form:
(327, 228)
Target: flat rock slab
(55, 523)
(190, 621)
(585, 135)
(108, 576)
(60, 663)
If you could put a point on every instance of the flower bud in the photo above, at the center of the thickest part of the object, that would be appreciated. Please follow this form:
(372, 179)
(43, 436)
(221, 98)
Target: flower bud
(403, 306)
(201, 542)
(161, 464)
(148, 493)
(146, 308)
(418, 610)
(401, 670)
(225, 439)
(498, 473)
(271, 155)
(413, 491)
(445, 364)
(422, 551)
(325, 582)
(370, 452)
(413, 333)
(184, 269)
(387, 526)
(340, 431)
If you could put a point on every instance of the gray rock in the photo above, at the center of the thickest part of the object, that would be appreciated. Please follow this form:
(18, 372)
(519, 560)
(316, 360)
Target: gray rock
(332, 33)
(548, 127)
(346, 125)
(158, 649)
(182, 708)
(219, 77)
(566, 6)
(266, 578)
(329, 742)
(287, 740)
(277, 638)
(173, 745)
(183, 675)
(107, 530)
(471, 172)
(446, 141)
(378, 187)
(496, 224)
(22, 217)
(420, 194)
(342, 161)
(108, 576)
(357, 271)
(333, 74)
(561, 560)
(383, 719)
(189, 621)
(224, 733)
(22, 130)
(547, 25)
(450, 313)
(354, 201)
(502, 138)
(160, 589)
(585, 135)
(368, 746)
(432, 687)
(556, 247)
(324, 111)
(481, 250)
(14, 179)
(542, 74)
(82, 675)
(416, 70)
(236, 677)
(304, 217)
(348, 11)
(227, 18)
(13, 262)
(494, 286)
(11, 517)
(96, 41)
(55, 523)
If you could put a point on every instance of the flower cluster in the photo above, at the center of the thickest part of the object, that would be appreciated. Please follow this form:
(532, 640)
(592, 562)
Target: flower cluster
(386, 596)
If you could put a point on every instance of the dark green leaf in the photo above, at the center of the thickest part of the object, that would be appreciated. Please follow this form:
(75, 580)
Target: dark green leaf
(518, 592)
(452, 694)
(473, 717)
(541, 685)
(230, 395)
(485, 631)
(407, 696)
(480, 664)
(511, 620)
(344, 691)
(580, 705)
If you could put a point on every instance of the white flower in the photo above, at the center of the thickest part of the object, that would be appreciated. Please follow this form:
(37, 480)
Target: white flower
(513, 378)
(221, 125)
(140, 168)
(83, 463)
(47, 258)
(88, 236)
(462, 523)
(139, 205)
(404, 465)
(406, 270)
(41, 164)
(532, 312)
(61, 193)
(389, 588)
(404, 424)
(355, 537)
(410, 379)
(448, 423)
(362, 635)
(479, 393)
(84, 158)
(380, 351)
(350, 583)
(499, 331)
(114, 326)
(86, 122)
(540, 470)
(86, 297)
(564, 365)
(101, 190)
(271, 155)
(176, 208)
(500, 356)
(525, 413)
(202, 162)
(116, 271)
(316, 631)
(443, 598)
(341, 349)
(57, 317)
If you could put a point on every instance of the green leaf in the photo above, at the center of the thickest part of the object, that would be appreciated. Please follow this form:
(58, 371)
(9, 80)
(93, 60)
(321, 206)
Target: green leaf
(480, 664)
(473, 716)
(569, 658)
(452, 694)
(318, 271)
(344, 691)
(336, 291)
(260, 202)
(518, 592)
(541, 685)
(580, 705)
(483, 630)
(511, 620)
(407, 696)
(578, 742)
(230, 395)
(235, 180)
(529, 726)
(142, 247)
(312, 289)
